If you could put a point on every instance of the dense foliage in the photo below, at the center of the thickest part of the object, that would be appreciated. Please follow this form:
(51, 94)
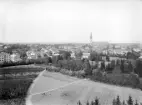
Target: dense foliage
(129, 80)
(14, 88)
(45, 60)
(115, 101)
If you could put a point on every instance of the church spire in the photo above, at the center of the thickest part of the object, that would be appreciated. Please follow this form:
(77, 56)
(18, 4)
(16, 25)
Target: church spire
(91, 38)
(91, 41)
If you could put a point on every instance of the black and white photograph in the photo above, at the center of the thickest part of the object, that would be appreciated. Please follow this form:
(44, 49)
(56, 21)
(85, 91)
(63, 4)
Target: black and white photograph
(70, 52)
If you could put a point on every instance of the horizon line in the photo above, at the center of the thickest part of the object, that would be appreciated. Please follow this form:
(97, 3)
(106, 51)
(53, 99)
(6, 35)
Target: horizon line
(69, 42)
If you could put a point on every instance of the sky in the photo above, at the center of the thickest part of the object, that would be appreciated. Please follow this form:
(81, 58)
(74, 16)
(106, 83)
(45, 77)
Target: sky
(59, 21)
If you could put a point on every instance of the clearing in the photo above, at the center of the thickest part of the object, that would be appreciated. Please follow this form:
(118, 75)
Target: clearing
(63, 90)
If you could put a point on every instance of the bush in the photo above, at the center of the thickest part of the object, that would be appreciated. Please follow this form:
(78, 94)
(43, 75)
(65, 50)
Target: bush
(53, 69)
(64, 71)
(80, 73)
(87, 68)
(98, 75)
(134, 80)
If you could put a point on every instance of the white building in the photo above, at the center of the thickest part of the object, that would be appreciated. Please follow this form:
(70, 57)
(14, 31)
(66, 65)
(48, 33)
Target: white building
(4, 57)
(31, 55)
(15, 57)
(73, 55)
(86, 55)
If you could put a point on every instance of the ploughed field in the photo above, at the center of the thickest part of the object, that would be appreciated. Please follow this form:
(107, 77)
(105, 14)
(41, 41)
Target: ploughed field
(20, 72)
(62, 90)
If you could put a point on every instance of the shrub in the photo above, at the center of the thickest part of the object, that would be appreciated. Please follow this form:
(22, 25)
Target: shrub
(70, 73)
(97, 74)
(64, 71)
(80, 73)
(130, 101)
(134, 79)
(87, 68)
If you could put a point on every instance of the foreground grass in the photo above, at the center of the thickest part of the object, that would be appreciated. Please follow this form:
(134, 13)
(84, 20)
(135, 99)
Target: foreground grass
(13, 92)
(16, 101)
(16, 82)
(11, 89)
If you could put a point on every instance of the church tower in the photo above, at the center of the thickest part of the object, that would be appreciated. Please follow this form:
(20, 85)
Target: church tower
(91, 42)
(91, 39)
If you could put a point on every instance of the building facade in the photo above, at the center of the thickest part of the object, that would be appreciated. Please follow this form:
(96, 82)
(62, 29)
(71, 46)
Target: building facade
(4, 57)
(32, 55)
(15, 57)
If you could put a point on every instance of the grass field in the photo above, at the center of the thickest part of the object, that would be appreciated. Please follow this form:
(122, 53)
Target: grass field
(83, 90)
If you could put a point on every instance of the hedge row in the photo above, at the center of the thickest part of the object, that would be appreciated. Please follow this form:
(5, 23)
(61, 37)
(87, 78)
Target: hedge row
(129, 80)
(80, 73)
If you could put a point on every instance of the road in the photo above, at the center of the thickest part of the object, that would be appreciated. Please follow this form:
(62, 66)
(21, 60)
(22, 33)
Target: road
(57, 89)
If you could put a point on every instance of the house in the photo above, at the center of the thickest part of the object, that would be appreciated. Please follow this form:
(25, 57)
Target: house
(133, 55)
(4, 57)
(85, 55)
(15, 57)
(73, 55)
(44, 50)
(1, 47)
(32, 55)
(54, 51)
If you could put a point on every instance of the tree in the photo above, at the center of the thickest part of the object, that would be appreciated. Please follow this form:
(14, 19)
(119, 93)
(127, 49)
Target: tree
(79, 103)
(118, 101)
(113, 63)
(93, 56)
(130, 101)
(136, 103)
(78, 54)
(130, 66)
(54, 59)
(92, 103)
(45, 55)
(65, 54)
(123, 103)
(102, 66)
(96, 101)
(114, 102)
(122, 66)
(138, 68)
(87, 70)
(87, 103)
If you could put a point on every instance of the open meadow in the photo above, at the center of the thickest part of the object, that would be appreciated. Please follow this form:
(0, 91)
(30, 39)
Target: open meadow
(62, 90)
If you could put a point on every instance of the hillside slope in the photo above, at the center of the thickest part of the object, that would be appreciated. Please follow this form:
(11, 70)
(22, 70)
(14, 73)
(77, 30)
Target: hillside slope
(82, 90)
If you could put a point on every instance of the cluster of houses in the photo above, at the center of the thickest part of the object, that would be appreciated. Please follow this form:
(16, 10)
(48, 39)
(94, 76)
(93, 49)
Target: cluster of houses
(31, 54)
(6, 57)
(34, 53)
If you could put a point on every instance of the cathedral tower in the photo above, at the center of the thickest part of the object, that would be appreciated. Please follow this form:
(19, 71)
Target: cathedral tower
(91, 39)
